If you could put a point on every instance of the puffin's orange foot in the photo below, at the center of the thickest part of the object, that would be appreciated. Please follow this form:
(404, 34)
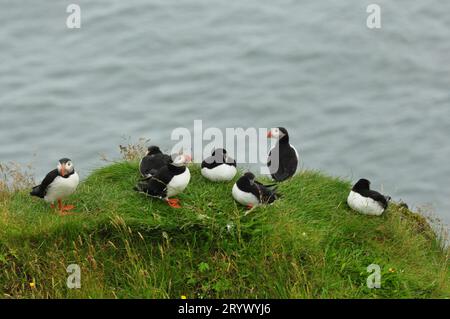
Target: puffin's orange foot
(249, 206)
(67, 208)
(174, 202)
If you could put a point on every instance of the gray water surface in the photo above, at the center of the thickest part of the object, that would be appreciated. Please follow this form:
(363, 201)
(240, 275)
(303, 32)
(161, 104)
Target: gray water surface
(357, 102)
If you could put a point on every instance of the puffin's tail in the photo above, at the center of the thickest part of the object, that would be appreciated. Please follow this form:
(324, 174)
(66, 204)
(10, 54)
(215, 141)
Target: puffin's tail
(141, 187)
(276, 193)
(273, 195)
(36, 191)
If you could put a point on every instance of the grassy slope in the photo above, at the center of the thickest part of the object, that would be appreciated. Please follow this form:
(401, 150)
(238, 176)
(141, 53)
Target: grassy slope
(309, 244)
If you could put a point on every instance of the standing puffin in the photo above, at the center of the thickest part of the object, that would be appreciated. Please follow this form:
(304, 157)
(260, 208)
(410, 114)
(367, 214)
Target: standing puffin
(283, 157)
(168, 181)
(366, 201)
(249, 192)
(58, 184)
(219, 166)
(153, 160)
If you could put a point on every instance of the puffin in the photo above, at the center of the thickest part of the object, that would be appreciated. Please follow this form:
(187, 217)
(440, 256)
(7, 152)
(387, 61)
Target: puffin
(251, 193)
(168, 181)
(58, 184)
(219, 167)
(153, 160)
(366, 201)
(283, 157)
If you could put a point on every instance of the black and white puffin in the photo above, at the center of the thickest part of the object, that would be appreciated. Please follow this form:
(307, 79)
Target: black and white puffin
(283, 157)
(249, 192)
(219, 166)
(153, 160)
(366, 201)
(58, 184)
(168, 181)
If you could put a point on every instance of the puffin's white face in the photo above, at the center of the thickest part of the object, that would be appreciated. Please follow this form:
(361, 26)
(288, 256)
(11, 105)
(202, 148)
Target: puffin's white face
(181, 159)
(275, 133)
(65, 167)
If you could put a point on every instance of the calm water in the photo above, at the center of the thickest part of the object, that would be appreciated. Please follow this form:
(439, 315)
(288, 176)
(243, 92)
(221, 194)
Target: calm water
(357, 102)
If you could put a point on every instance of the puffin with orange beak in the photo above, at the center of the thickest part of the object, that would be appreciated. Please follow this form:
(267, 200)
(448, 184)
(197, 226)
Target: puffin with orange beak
(283, 157)
(58, 184)
(168, 181)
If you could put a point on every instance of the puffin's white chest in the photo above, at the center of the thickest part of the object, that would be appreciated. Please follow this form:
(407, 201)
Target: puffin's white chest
(223, 172)
(244, 198)
(178, 183)
(62, 187)
(364, 205)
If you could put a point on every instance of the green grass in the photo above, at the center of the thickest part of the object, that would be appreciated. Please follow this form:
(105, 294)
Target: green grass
(309, 244)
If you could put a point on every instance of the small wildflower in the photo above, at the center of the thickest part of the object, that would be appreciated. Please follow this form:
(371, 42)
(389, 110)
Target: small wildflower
(183, 297)
(392, 270)
(32, 285)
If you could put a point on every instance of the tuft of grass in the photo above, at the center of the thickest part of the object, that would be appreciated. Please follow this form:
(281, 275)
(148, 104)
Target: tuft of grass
(308, 244)
(14, 176)
(134, 151)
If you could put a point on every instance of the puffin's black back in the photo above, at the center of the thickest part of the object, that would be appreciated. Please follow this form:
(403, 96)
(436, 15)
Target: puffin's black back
(216, 159)
(156, 185)
(150, 164)
(265, 193)
(362, 187)
(287, 160)
(41, 190)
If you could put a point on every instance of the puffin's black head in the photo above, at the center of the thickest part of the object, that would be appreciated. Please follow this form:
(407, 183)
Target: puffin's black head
(250, 176)
(362, 185)
(65, 167)
(278, 133)
(219, 152)
(153, 150)
(219, 155)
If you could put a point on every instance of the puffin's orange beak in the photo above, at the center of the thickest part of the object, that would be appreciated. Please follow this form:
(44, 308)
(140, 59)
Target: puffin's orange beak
(63, 171)
(269, 134)
(188, 158)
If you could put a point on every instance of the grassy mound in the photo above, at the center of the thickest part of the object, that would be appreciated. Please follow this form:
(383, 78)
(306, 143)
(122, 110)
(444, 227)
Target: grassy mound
(309, 244)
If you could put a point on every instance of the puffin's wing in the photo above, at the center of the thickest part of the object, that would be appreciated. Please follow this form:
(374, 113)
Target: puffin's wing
(274, 169)
(162, 160)
(167, 159)
(292, 162)
(207, 162)
(156, 185)
(267, 195)
(212, 162)
(255, 190)
(150, 164)
(231, 161)
(379, 198)
(41, 190)
(152, 187)
(288, 167)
